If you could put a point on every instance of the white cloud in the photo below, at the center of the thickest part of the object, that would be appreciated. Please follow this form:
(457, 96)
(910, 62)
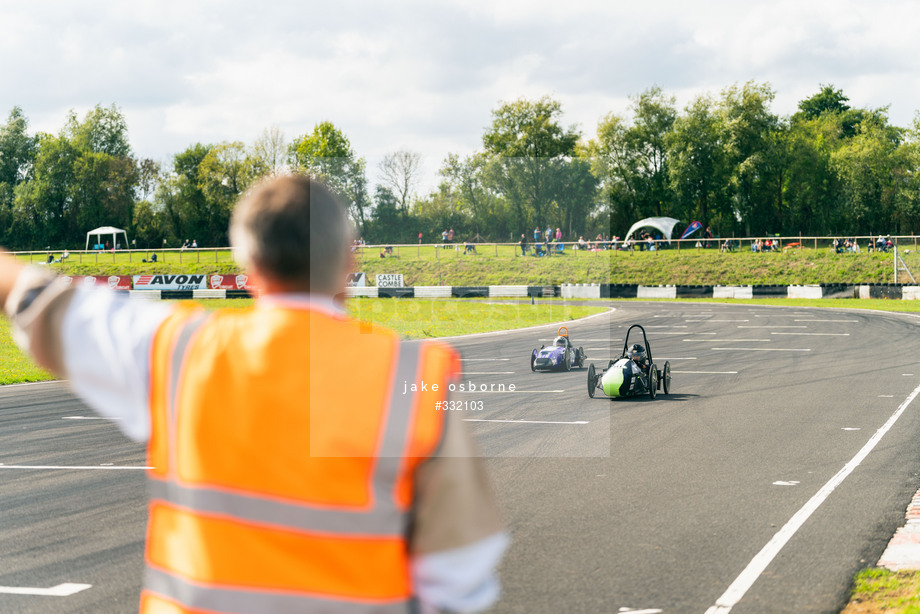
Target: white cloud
(426, 75)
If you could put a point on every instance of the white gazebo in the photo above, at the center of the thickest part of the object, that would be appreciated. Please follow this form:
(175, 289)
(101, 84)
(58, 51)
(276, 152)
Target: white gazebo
(103, 233)
(664, 224)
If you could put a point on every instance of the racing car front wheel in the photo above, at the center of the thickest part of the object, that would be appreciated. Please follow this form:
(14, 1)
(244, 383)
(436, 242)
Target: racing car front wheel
(533, 357)
(652, 380)
(592, 380)
(666, 377)
(567, 360)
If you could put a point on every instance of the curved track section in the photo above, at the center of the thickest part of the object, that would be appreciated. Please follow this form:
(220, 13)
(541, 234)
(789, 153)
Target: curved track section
(615, 506)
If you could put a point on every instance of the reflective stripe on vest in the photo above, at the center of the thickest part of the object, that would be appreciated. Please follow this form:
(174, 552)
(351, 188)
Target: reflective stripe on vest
(382, 519)
(233, 601)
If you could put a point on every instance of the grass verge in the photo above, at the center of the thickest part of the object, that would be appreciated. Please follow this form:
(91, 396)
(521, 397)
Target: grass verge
(413, 319)
(880, 591)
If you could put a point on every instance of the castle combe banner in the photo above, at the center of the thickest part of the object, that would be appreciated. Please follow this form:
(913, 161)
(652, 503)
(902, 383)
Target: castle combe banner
(170, 282)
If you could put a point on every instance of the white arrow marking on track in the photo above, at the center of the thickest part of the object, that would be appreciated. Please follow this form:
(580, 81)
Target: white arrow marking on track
(61, 590)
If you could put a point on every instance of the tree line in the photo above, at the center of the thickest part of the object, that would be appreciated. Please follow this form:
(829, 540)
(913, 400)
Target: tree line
(726, 160)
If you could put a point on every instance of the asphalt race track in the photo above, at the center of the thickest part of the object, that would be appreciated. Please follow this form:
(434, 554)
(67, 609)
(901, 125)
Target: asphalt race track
(780, 464)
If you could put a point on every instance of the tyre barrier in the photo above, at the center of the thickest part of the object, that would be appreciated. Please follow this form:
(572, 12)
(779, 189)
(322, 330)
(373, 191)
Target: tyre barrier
(588, 291)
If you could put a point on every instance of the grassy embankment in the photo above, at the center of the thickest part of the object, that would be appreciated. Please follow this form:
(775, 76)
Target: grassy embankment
(427, 266)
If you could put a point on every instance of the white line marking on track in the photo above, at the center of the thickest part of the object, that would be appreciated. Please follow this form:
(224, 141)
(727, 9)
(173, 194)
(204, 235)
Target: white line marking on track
(83, 467)
(88, 418)
(646, 611)
(483, 359)
(525, 421)
(61, 590)
(738, 340)
(816, 334)
(851, 428)
(768, 326)
(907, 374)
(515, 391)
(764, 349)
(886, 396)
(810, 320)
(708, 320)
(789, 483)
(488, 372)
(759, 563)
(684, 333)
(671, 358)
(708, 372)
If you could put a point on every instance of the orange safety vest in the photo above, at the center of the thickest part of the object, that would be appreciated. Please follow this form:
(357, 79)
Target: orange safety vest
(284, 452)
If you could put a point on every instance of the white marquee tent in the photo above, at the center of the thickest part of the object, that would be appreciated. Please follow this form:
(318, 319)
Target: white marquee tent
(664, 224)
(103, 233)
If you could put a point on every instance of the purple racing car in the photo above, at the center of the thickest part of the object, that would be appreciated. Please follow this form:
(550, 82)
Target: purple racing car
(560, 356)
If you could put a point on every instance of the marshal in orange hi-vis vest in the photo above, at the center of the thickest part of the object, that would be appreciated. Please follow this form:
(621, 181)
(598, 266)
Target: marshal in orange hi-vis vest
(283, 450)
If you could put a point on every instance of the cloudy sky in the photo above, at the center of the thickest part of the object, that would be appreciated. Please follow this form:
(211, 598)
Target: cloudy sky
(425, 75)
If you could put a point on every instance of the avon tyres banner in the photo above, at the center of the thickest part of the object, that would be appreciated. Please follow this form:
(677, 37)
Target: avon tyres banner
(229, 282)
(170, 282)
(115, 282)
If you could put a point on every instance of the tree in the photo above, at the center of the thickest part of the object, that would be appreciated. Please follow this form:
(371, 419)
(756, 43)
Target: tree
(223, 174)
(326, 153)
(270, 151)
(400, 171)
(101, 131)
(698, 166)
(530, 152)
(752, 150)
(182, 200)
(17, 154)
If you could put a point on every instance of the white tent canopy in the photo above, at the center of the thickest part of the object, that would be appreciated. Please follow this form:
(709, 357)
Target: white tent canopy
(103, 233)
(664, 224)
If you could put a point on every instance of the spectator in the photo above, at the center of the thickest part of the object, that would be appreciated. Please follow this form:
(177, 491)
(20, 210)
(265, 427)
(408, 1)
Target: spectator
(469, 248)
(581, 243)
(650, 243)
(558, 235)
(444, 236)
(450, 235)
(523, 244)
(318, 495)
(708, 236)
(194, 243)
(536, 234)
(548, 235)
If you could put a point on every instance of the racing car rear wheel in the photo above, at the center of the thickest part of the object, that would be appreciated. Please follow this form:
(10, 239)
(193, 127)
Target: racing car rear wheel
(566, 360)
(580, 357)
(592, 380)
(533, 357)
(652, 380)
(666, 377)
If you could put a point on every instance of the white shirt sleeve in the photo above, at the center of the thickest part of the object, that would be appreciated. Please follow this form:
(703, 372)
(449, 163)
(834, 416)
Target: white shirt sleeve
(106, 341)
(460, 580)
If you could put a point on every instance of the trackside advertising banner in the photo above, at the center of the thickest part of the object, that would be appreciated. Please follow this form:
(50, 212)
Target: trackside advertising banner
(170, 282)
(115, 282)
(229, 282)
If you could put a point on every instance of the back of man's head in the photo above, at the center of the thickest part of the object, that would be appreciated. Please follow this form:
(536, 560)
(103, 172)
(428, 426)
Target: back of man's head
(293, 230)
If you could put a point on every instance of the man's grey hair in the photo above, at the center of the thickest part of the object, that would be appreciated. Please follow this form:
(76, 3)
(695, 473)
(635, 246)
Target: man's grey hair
(293, 229)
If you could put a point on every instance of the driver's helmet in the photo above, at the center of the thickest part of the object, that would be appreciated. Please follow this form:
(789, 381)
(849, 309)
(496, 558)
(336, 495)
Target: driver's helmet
(559, 342)
(637, 352)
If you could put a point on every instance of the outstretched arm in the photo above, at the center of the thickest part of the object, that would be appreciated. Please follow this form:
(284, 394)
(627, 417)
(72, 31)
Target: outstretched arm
(9, 273)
